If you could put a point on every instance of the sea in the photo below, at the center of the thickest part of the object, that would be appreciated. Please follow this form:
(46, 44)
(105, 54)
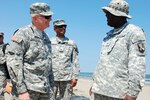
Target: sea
(88, 75)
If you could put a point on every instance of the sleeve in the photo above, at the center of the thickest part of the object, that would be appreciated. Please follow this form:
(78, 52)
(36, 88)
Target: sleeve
(136, 64)
(75, 61)
(15, 57)
(51, 79)
(2, 60)
(51, 75)
(2, 57)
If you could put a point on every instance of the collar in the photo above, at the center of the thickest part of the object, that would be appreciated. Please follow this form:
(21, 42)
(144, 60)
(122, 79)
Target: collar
(39, 31)
(118, 30)
(62, 40)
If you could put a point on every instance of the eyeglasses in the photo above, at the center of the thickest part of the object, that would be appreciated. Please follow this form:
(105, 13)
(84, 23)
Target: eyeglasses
(46, 17)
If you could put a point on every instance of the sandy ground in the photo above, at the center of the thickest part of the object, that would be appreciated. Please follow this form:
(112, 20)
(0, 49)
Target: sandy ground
(81, 91)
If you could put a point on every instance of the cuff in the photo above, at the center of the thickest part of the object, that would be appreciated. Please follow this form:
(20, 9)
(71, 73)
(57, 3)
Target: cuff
(134, 90)
(21, 88)
(75, 77)
(132, 93)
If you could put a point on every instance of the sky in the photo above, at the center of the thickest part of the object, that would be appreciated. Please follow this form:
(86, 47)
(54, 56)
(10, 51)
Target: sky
(86, 23)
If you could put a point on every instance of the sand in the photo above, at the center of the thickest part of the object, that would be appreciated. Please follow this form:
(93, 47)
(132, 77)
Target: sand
(81, 91)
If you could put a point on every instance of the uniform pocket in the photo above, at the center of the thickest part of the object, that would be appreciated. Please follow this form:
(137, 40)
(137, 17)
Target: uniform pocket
(68, 51)
(112, 45)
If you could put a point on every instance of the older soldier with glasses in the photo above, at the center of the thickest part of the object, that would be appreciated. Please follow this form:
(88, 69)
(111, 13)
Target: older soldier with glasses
(120, 72)
(29, 56)
(65, 62)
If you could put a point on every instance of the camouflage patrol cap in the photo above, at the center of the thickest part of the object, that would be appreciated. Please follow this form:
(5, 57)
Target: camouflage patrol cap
(118, 8)
(40, 8)
(59, 22)
(1, 33)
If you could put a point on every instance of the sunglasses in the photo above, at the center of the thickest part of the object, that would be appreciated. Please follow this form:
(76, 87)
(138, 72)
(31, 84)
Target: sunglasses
(1, 36)
(47, 17)
(62, 26)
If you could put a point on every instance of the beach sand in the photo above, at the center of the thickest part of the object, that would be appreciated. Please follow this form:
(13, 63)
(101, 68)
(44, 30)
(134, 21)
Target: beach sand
(81, 91)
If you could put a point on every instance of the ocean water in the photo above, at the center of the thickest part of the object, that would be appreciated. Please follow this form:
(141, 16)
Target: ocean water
(147, 79)
(86, 75)
(89, 76)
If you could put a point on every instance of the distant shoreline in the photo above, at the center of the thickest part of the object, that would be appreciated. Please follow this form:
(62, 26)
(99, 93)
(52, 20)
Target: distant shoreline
(88, 75)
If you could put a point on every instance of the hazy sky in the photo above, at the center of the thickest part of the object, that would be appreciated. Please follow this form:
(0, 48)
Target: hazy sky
(86, 22)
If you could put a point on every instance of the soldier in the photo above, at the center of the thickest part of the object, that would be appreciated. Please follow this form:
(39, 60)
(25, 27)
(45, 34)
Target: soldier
(65, 62)
(120, 71)
(29, 56)
(4, 75)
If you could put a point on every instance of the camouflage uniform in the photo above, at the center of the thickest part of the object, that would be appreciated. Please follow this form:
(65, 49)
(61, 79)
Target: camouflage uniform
(64, 59)
(65, 65)
(29, 60)
(121, 67)
(2, 72)
(29, 57)
(103, 97)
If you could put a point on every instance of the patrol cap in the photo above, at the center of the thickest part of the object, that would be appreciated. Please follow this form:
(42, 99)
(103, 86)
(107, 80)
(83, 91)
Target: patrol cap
(40, 8)
(59, 22)
(1, 33)
(118, 8)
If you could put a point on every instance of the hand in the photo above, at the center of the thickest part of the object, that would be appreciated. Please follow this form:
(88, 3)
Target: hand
(129, 98)
(24, 96)
(90, 92)
(8, 87)
(73, 82)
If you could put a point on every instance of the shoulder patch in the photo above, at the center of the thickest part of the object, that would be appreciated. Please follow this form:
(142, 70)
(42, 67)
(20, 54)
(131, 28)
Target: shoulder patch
(141, 47)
